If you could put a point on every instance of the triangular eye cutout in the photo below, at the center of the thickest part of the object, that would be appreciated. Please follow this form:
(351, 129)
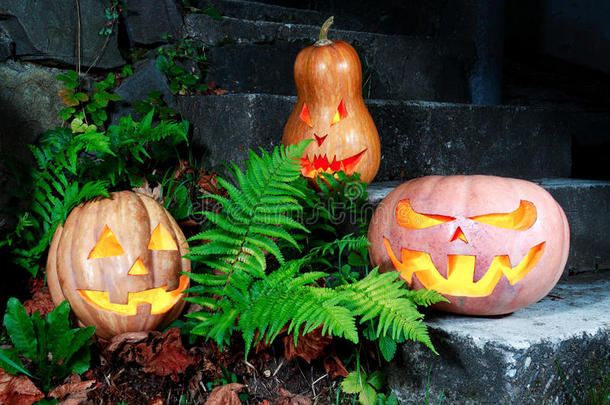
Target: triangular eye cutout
(107, 245)
(339, 114)
(161, 239)
(305, 116)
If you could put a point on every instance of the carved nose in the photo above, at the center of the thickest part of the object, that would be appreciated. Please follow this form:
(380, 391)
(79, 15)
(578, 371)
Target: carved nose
(320, 139)
(138, 268)
(458, 234)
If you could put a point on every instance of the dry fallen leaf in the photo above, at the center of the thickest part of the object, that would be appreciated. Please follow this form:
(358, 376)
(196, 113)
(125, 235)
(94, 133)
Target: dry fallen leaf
(309, 347)
(18, 390)
(334, 367)
(225, 395)
(156, 401)
(157, 353)
(75, 391)
(41, 301)
(154, 193)
(287, 398)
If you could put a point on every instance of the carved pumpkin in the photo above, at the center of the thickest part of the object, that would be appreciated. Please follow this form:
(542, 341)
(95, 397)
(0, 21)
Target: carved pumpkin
(117, 261)
(490, 245)
(331, 111)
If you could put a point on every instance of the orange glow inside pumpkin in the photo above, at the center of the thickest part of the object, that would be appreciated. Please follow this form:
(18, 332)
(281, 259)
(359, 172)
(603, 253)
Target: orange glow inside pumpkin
(159, 299)
(161, 239)
(458, 234)
(521, 219)
(460, 271)
(304, 116)
(138, 268)
(107, 245)
(460, 268)
(339, 114)
(320, 164)
(408, 218)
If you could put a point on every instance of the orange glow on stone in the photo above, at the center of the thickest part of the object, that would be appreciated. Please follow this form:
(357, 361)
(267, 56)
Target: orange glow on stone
(107, 245)
(159, 299)
(409, 219)
(161, 239)
(521, 219)
(460, 271)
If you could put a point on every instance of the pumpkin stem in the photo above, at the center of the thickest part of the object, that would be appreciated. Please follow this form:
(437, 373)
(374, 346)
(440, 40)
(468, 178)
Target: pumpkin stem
(323, 39)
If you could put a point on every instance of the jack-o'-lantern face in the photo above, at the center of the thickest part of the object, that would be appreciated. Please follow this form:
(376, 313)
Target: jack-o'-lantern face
(331, 112)
(118, 262)
(490, 245)
(327, 163)
(460, 271)
(159, 299)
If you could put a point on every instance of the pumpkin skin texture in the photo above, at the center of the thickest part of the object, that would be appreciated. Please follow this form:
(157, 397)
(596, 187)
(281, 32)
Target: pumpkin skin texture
(117, 261)
(504, 242)
(331, 111)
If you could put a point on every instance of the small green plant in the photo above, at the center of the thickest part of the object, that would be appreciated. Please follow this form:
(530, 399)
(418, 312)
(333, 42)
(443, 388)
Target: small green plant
(595, 392)
(84, 161)
(112, 16)
(170, 61)
(367, 388)
(154, 101)
(53, 349)
(245, 296)
(210, 11)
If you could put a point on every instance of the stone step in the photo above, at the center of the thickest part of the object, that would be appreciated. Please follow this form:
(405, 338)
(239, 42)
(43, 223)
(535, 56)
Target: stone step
(586, 204)
(417, 138)
(257, 11)
(513, 359)
(258, 57)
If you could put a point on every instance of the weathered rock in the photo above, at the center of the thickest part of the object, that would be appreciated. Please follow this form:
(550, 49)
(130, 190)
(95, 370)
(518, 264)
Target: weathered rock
(7, 47)
(146, 78)
(29, 105)
(417, 138)
(256, 11)
(513, 359)
(584, 202)
(395, 67)
(48, 30)
(146, 21)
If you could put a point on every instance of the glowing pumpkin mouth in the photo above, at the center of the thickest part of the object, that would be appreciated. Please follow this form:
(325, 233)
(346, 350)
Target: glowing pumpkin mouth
(460, 271)
(320, 164)
(159, 299)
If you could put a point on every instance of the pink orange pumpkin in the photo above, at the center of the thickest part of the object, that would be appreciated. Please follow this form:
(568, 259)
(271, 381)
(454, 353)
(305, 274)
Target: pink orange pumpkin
(490, 245)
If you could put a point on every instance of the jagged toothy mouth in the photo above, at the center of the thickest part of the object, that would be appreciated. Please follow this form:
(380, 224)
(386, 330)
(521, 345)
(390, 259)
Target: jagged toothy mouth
(321, 164)
(460, 271)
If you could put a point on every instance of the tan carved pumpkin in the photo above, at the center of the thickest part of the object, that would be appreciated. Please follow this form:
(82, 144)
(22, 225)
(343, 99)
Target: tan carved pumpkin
(490, 245)
(330, 110)
(117, 261)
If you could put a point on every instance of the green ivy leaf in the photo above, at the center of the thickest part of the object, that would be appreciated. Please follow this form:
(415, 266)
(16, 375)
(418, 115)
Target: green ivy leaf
(212, 12)
(11, 363)
(20, 328)
(162, 63)
(127, 71)
(387, 347)
(66, 113)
